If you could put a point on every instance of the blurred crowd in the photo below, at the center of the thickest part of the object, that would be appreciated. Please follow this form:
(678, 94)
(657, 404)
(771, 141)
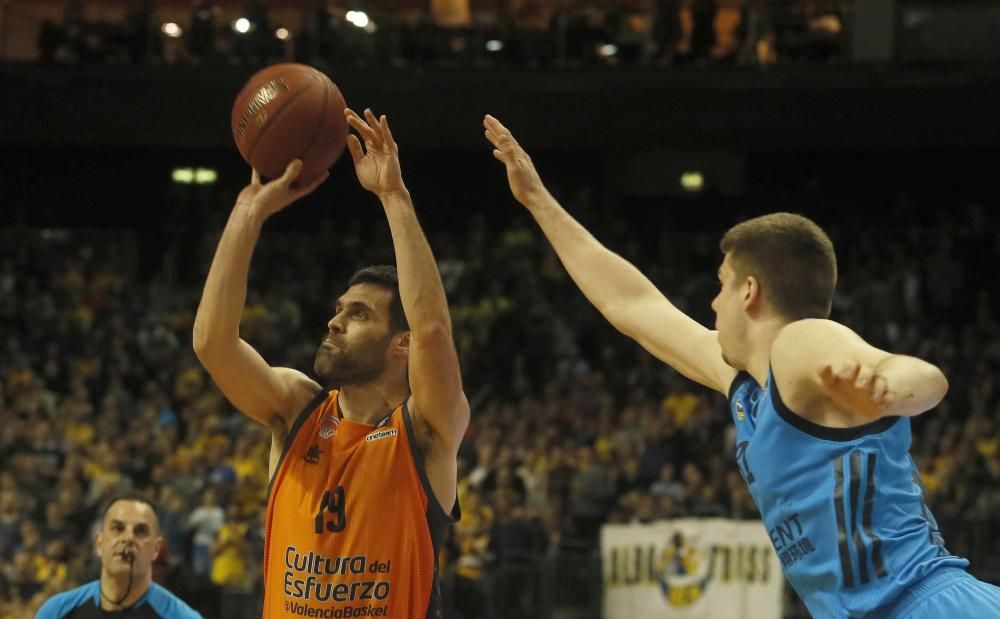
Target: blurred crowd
(573, 425)
(455, 33)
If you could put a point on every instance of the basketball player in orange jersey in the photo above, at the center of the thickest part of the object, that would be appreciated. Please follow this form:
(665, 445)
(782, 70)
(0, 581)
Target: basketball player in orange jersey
(363, 476)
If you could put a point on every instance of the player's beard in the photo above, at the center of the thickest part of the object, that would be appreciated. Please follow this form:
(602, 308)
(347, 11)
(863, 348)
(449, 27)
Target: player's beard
(362, 363)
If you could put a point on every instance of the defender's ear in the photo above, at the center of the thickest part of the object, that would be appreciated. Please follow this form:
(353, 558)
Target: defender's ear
(752, 293)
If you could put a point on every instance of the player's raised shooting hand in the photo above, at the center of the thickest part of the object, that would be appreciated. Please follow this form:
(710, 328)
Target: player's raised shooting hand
(269, 198)
(524, 181)
(377, 164)
(857, 387)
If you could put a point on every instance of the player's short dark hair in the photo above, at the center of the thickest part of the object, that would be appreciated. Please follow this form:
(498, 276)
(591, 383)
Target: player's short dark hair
(130, 496)
(791, 257)
(385, 276)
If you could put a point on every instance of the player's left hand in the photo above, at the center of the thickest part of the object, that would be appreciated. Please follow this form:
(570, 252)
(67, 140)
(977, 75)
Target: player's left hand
(858, 388)
(377, 164)
(271, 197)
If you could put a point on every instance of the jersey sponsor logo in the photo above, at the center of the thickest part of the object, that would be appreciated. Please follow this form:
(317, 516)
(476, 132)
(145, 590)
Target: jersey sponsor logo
(312, 588)
(374, 436)
(302, 610)
(328, 427)
(312, 454)
(790, 541)
(310, 577)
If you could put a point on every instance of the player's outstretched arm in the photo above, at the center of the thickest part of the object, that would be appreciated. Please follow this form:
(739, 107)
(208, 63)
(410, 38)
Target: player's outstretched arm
(824, 360)
(269, 395)
(435, 378)
(626, 298)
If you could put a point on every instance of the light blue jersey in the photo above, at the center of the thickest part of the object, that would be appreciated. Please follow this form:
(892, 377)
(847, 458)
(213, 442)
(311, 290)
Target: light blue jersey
(843, 507)
(85, 603)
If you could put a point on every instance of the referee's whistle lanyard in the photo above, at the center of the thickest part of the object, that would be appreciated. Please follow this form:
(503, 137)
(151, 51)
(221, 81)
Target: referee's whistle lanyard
(128, 555)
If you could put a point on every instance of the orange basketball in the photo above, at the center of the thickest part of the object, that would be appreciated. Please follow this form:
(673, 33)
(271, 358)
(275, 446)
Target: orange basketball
(289, 111)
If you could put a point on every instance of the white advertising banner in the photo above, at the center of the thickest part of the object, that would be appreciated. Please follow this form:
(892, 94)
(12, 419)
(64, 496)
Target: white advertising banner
(689, 568)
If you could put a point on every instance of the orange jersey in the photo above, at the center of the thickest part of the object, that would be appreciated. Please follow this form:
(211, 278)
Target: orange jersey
(353, 528)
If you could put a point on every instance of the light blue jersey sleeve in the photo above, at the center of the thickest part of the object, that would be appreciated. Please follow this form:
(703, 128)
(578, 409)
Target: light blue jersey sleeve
(164, 603)
(62, 604)
(168, 605)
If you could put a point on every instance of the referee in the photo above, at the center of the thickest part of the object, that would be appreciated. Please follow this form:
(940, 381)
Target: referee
(128, 543)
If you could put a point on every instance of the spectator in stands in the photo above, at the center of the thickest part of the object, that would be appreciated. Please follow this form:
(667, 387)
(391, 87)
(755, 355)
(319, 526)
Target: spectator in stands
(205, 521)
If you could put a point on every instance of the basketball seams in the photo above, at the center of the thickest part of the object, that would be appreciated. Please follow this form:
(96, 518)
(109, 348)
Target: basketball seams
(271, 119)
(324, 114)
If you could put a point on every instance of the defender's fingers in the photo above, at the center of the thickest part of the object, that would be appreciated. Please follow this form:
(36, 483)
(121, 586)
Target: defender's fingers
(492, 122)
(848, 370)
(827, 375)
(865, 375)
(879, 389)
(499, 130)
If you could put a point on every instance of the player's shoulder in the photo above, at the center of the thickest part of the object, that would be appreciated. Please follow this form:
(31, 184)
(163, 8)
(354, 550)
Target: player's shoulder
(803, 331)
(302, 391)
(802, 343)
(168, 605)
(300, 385)
(61, 604)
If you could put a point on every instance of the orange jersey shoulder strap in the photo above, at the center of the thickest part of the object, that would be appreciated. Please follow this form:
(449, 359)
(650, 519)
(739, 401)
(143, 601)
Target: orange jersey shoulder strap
(323, 401)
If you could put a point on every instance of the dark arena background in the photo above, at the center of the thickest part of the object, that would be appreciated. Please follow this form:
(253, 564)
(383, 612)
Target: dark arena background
(658, 123)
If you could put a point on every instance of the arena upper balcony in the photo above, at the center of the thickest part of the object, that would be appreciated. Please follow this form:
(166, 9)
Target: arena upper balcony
(746, 75)
(609, 108)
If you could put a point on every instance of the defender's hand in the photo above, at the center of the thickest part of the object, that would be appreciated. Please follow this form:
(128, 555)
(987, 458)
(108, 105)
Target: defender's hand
(524, 181)
(856, 387)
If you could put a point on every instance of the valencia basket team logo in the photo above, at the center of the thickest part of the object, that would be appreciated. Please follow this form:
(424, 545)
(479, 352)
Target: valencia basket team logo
(328, 427)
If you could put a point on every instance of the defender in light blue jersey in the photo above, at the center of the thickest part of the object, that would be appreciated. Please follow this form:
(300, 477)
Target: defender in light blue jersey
(843, 506)
(821, 415)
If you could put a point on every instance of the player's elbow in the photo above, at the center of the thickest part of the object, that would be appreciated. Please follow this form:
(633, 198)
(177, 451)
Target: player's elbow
(937, 384)
(929, 388)
(619, 314)
(207, 346)
(201, 342)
